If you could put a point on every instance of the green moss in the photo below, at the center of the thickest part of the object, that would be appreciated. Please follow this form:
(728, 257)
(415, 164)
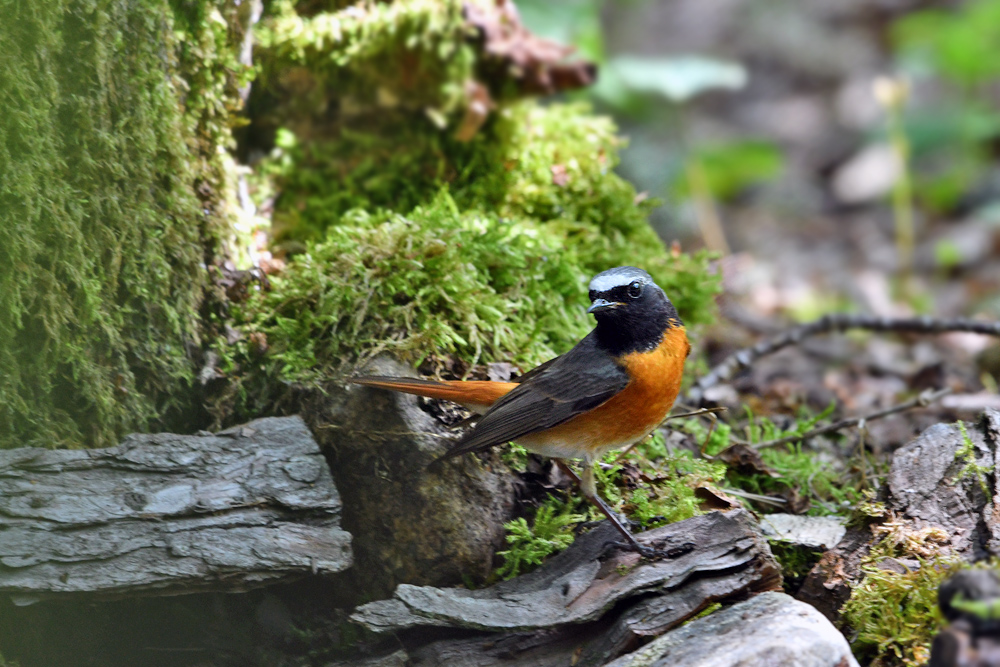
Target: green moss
(668, 497)
(805, 472)
(484, 283)
(506, 171)
(485, 274)
(435, 280)
(411, 241)
(711, 441)
(670, 494)
(795, 560)
(409, 54)
(208, 36)
(102, 236)
(551, 531)
(966, 454)
(896, 615)
(707, 611)
(792, 467)
(515, 457)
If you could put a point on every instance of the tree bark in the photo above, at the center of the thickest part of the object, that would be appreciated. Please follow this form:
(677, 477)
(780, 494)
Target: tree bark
(590, 604)
(167, 514)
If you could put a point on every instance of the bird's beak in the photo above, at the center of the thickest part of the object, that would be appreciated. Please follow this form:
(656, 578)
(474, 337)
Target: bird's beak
(602, 304)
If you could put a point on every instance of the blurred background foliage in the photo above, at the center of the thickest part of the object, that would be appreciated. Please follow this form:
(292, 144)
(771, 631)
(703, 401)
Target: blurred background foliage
(771, 107)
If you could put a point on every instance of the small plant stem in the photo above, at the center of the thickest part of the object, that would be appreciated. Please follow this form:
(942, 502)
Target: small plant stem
(756, 497)
(708, 216)
(708, 438)
(902, 196)
(696, 413)
(862, 436)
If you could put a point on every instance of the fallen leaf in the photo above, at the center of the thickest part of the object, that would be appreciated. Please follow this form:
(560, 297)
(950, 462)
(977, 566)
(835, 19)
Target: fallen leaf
(714, 499)
(745, 460)
(511, 51)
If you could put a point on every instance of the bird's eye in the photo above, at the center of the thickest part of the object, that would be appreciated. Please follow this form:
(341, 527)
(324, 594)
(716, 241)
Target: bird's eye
(635, 289)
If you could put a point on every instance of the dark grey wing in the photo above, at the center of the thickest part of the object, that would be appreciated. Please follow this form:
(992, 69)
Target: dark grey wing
(578, 381)
(540, 368)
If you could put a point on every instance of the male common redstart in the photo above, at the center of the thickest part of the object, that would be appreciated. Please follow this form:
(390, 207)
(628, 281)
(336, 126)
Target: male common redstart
(610, 391)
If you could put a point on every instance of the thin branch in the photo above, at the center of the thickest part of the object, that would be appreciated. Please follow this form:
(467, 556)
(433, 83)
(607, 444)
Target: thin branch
(695, 413)
(739, 493)
(921, 401)
(737, 361)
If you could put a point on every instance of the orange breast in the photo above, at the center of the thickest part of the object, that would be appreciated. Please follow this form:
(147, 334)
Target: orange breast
(630, 414)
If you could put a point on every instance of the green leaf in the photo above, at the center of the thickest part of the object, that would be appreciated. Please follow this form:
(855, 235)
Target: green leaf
(731, 168)
(677, 78)
(576, 22)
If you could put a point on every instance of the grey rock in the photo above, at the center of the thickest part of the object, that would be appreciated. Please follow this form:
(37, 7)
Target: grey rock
(166, 514)
(726, 550)
(929, 485)
(396, 659)
(769, 630)
(588, 605)
(991, 510)
(866, 177)
(412, 522)
(817, 532)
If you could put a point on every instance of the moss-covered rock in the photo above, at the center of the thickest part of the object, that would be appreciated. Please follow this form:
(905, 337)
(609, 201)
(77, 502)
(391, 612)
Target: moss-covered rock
(408, 234)
(411, 522)
(114, 114)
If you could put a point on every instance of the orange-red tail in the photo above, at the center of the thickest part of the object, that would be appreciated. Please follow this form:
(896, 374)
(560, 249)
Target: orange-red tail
(476, 395)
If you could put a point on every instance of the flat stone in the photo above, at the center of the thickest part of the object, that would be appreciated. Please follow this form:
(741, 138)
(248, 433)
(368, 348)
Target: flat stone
(815, 532)
(167, 514)
(412, 522)
(726, 554)
(769, 630)
(867, 176)
(930, 485)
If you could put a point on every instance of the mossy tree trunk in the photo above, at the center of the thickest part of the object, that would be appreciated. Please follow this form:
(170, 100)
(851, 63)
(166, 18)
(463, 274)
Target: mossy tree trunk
(112, 205)
(404, 153)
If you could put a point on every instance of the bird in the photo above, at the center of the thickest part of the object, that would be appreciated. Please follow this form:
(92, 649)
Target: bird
(610, 391)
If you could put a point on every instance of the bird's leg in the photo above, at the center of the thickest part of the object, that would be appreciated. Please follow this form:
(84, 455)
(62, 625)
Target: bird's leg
(588, 486)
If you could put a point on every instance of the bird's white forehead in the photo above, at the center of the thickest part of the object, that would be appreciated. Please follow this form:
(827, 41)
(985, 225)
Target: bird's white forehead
(605, 282)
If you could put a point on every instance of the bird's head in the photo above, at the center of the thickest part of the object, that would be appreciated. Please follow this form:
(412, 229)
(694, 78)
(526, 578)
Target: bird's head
(630, 308)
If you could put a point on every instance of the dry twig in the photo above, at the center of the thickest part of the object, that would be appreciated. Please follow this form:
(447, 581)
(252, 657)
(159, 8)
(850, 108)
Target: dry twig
(923, 400)
(696, 413)
(737, 361)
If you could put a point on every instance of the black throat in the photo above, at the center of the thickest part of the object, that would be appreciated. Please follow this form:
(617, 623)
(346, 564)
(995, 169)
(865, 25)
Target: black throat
(624, 332)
